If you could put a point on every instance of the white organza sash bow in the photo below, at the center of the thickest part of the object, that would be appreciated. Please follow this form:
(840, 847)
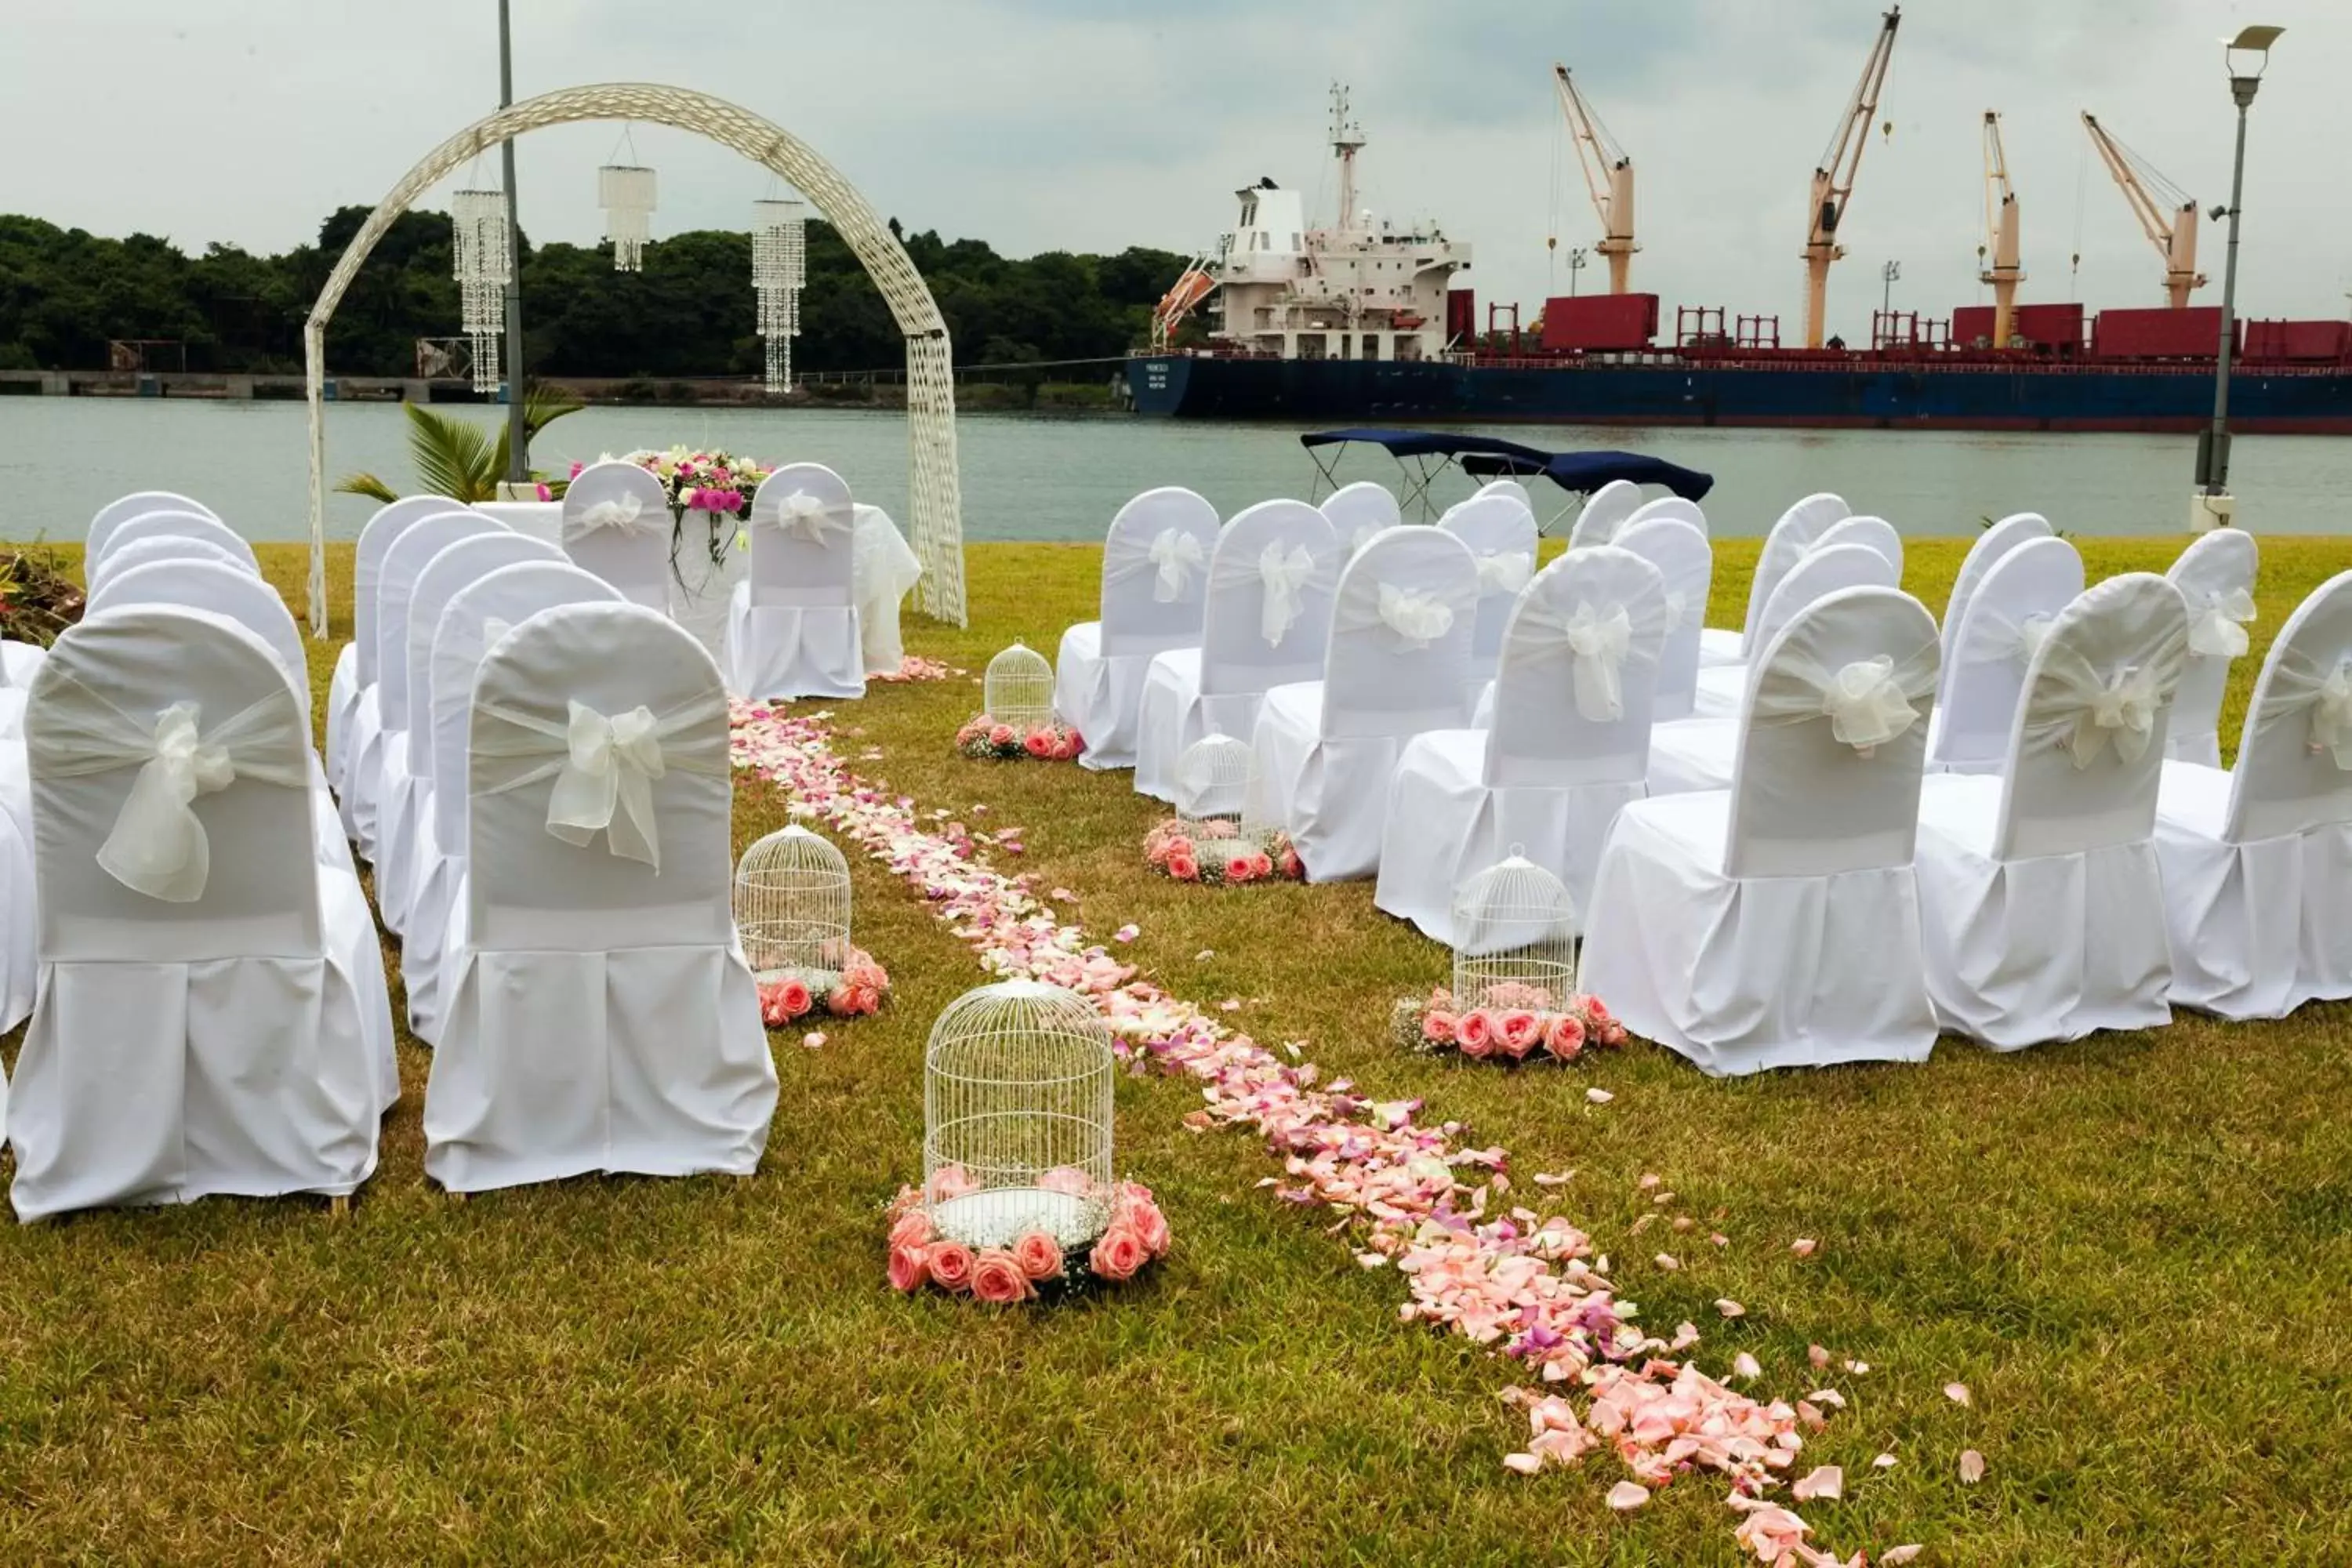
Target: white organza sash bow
(1505, 572)
(1173, 555)
(2298, 690)
(1418, 618)
(1596, 641)
(625, 514)
(1868, 701)
(811, 517)
(158, 846)
(604, 766)
(2218, 629)
(2075, 705)
(1285, 573)
(1994, 636)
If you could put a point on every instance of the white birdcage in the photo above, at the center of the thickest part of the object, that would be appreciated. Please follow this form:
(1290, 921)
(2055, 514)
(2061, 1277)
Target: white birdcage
(1216, 793)
(791, 909)
(1016, 1117)
(1514, 939)
(1019, 688)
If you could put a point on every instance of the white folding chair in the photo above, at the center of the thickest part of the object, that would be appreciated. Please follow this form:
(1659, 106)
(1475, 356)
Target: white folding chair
(1674, 507)
(2042, 904)
(791, 629)
(2216, 578)
(1874, 532)
(1722, 689)
(1685, 560)
(389, 787)
(2258, 861)
(1990, 545)
(1155, 582)
(601, 1016)
(1501, 533)
(353, 721)
(170, 525)
(1357, 511)
(1605, 511)
(1268, 623)
(1784, 546)
(475, 616)
(617, 524)
(2010, 610)
(115, 513)
(202, 1024)
(1776, 923)
(1402, 622)
(1568, 744)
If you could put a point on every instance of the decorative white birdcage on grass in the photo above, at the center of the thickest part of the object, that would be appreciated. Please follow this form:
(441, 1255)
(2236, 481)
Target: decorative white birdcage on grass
(791, 910)
(1017, 1117)
(1018, 688)
(1513, 939)
(1213, 783)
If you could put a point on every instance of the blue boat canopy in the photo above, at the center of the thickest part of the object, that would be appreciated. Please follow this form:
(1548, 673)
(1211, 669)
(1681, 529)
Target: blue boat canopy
(1587, 471)
(1487, 456)
(1436, 443)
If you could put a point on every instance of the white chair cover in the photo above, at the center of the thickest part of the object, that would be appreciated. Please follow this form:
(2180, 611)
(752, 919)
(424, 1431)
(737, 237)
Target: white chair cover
(1605, 510)
(1990, 545)
(1547, 776)
(19, 909)
(886, 570)
(1507, 486)
(1155, 583)
(475, 616)
(354, 725)
(1722, 689)
(617, 524)
(161, 548)
(1268, 623)
(2216, 578)
(389, 789)
(1784, 545)
(791, 629)
(2258, 861)
(2043, 904)
(1400, 630)
(172, 525)
(1674, 507)
(1501, 533)
(1874, 532)
(1685, 564)
(1777, 923)
(202, 1024)
(600, 1015)
(1357, 511)
(138, 503)
(2014, 605)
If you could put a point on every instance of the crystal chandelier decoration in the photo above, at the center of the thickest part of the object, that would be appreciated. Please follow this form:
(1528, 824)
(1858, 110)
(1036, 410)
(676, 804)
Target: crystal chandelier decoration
(625, 192)
(483, 263)
(779, 268)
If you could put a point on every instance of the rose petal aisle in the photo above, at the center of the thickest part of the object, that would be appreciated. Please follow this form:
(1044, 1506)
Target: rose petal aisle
(1529, 1286)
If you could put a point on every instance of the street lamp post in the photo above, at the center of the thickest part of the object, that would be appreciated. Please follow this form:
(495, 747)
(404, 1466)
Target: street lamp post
(1576, 259)
(1888, 275)
(2211, 505)
(517, 433)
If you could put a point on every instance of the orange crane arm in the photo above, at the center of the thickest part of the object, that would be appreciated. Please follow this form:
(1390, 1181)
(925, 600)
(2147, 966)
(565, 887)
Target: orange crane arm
(1608, 176)
(1834, 177)
(2166, 214)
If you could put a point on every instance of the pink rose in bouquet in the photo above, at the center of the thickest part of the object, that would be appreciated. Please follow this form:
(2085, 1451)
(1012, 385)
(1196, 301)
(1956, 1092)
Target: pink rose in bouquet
(1564, 1036)
(950, 1263)
(1437, 1027)
(1069, 746)
(1039, 744)
(1292, 867)
(1001, 735)
(1067, 1179)
(997, 1276)
(1142, 1216)
(1260, 865)
(912, 1228)
(1241, 868)
(1473, 1035)
(1039, 1254)
(1518, 1033)
(1119, 1254)
(1183, 867)
(908, 1268)
(951, 1181)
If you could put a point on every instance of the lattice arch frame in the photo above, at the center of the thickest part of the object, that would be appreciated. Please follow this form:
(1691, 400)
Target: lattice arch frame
(937, 505)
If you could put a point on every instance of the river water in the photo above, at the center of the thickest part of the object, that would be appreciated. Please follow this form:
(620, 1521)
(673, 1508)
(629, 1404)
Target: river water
(1027, 476)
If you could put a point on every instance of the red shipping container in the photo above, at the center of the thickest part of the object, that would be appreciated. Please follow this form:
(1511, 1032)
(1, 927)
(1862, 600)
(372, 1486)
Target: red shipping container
(1600, 322)
(2192, 333)
(1462, 316)
(2050, 326)
(1971, 324)
(2303, 342)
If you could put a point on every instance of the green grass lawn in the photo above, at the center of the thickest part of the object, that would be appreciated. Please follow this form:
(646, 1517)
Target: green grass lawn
(2137, 1250)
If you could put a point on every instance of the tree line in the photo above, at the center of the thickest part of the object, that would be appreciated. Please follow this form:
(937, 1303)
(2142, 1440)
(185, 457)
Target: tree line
(64, 293)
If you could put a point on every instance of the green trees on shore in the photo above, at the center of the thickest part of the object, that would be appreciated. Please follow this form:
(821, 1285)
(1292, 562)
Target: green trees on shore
(64, 293)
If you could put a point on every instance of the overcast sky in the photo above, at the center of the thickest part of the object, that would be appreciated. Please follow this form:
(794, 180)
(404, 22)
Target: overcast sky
(1094, 124)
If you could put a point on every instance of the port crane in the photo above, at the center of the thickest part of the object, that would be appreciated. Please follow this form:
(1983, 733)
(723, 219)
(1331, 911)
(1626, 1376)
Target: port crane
(2166, 214)
(1997, 256)
(1834, 178)
(1608, 175)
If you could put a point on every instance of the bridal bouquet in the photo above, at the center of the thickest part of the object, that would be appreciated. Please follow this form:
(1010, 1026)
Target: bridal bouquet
(718, 484)
(1034, 1262)
(854, 993)
(1220, 853)
(1517, 1022)
(1051, 741)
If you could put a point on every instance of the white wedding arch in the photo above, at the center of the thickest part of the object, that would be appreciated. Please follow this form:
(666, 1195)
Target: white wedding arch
(937, 521)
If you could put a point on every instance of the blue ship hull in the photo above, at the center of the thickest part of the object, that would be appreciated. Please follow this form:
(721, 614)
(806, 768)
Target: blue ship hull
(1863, 394)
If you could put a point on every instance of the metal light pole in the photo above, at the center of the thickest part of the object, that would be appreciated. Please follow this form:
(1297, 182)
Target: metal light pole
(2211, 506)
(1888, 275)
(1575, 266)
(518, 436)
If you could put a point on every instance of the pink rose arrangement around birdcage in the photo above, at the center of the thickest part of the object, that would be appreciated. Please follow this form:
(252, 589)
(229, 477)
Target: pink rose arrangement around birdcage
(1047, 741)
(1032, 1265)
(1515, 1023)
(1219, 852)
(857, 993)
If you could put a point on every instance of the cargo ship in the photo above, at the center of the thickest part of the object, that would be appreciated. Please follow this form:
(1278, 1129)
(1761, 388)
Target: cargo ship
(1362, 322)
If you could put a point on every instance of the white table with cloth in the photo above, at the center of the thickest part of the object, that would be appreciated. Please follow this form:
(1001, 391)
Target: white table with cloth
(884, 569)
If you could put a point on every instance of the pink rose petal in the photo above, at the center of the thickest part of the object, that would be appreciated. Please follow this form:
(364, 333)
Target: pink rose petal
(1746, 1366)
(1554, 1178)
(1667, 1261)
(1526, 1464)
(1829, 1396)
(1803, 1246)
(1817, 1355)
(1599, 1096)
(1895, 1556)
(1828, 1481)
(1972, 1467)
(1628, 1495)
(1729, 1307)
(1958, 1393)
(1884, 1462)
(1649, 1179)
(813, 1039)
(1127, 933)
